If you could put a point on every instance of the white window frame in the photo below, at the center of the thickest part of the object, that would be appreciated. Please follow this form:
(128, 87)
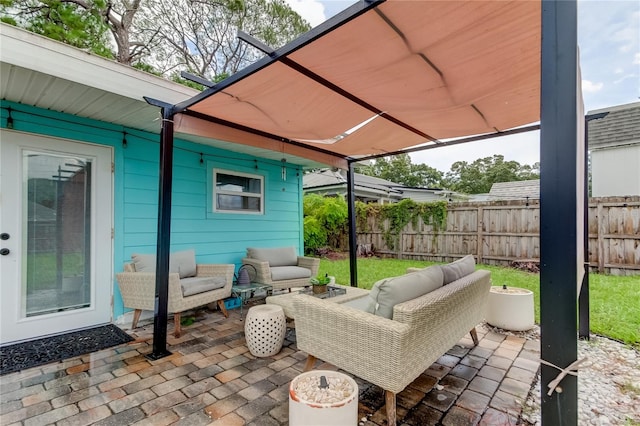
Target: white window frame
(217, 192)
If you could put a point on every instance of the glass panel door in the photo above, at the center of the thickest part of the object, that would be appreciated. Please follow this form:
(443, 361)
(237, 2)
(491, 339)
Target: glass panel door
(57, 193)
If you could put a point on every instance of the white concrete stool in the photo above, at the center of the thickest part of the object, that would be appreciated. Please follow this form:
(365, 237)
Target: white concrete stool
(264, 328)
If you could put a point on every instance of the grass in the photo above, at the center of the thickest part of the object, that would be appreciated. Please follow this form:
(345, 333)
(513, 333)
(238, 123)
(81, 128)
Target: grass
(614, 300)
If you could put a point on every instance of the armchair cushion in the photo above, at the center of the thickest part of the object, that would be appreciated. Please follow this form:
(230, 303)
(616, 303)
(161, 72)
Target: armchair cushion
(460, 268)
(281, 256)
(144, 262)
(279, 273)
(195, 285)
(182, 262)
(388, 292)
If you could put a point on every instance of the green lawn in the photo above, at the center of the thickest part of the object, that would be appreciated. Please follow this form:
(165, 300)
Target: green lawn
(614, 300)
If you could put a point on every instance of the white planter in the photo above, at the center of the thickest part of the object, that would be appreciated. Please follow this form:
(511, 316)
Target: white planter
(304, 412)
(510, 309)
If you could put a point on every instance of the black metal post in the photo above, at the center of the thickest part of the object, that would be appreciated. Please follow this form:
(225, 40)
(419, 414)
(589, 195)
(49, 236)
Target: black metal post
(164, 237)
(353, 239)
(583, 299)
(559, 208)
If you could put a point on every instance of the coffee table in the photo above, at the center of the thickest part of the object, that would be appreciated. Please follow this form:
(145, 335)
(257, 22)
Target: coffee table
(342, 293)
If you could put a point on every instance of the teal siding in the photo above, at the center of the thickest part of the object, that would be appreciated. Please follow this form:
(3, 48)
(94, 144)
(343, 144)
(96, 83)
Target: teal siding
(216, 237)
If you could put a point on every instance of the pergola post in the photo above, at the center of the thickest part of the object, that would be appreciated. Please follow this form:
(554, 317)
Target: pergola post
(561, 117)
(163, 237)
(353, 239)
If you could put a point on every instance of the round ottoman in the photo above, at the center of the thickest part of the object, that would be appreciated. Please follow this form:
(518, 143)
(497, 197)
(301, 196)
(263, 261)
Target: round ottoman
(264, 328)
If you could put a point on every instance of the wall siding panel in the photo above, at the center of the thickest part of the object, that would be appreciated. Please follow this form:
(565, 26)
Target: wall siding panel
(216, 237)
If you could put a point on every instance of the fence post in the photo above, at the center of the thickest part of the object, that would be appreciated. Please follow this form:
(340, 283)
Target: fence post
(480, 230)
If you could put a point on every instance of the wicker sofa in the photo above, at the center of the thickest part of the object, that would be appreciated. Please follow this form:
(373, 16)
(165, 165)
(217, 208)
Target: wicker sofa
(190, 285)
(391, 353)
(281, 267)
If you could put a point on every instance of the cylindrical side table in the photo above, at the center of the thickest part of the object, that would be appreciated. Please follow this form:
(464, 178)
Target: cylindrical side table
(265, 328)
(510, 308)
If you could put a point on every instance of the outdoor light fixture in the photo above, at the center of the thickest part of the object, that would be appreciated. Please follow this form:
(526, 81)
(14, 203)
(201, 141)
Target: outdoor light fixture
(9, 119)
(124, 139)
(284, 169)
(201, 159)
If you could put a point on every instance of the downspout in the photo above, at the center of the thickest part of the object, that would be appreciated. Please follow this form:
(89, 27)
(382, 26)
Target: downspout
(584, 326)
(351, 211)
(163, 237)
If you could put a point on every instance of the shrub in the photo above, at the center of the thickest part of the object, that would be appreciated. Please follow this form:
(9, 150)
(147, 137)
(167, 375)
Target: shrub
(315, 235)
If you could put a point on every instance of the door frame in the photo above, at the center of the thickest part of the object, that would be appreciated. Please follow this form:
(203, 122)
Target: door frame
(15, 325)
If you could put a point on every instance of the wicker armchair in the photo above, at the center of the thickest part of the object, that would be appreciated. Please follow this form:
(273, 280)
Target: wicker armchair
(281, 268)
(391, 353)
(138, 291)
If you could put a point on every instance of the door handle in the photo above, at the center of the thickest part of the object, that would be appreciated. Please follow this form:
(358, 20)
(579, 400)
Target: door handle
(4, 251)
(4, 236)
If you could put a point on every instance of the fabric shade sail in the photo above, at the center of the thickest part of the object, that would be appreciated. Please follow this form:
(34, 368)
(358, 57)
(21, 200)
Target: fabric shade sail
(382, 77)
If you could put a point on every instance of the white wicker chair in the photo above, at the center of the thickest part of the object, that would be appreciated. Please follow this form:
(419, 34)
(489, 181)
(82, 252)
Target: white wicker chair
(264, 269)
(138, 291)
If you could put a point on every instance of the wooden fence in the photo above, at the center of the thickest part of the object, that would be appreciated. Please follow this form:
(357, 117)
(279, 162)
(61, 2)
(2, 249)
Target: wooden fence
(501, 232)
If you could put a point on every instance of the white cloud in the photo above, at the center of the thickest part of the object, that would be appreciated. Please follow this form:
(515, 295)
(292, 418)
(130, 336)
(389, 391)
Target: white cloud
(618, 71)
(636, 59)
(623, 78)
(310, 10)
(591, 87)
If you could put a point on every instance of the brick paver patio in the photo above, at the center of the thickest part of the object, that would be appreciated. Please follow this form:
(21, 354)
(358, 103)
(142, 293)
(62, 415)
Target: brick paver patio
(212, 379)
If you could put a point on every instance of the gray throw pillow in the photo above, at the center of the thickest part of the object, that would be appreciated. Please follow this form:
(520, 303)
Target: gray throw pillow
(388, 292)
(460, 268)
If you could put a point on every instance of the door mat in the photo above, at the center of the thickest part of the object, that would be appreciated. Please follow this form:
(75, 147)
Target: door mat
(33, 353)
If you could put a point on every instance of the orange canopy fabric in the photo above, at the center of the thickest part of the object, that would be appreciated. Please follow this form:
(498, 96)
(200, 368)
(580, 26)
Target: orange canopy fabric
(401, 74)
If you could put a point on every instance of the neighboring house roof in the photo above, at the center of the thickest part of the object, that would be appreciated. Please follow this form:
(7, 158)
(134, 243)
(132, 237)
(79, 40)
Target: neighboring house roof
(621, 126)
(331, 181)
(518, 189)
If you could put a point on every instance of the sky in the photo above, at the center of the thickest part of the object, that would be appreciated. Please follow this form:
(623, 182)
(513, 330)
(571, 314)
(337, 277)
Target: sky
(609, 41)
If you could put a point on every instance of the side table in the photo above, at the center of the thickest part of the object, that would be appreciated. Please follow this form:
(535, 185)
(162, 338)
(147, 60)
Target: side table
(265, 329)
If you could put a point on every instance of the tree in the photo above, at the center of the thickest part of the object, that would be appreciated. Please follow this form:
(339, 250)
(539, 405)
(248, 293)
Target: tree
(477, 177)
(64, 21)
(400, 169)
(86, 24)
(200, 37)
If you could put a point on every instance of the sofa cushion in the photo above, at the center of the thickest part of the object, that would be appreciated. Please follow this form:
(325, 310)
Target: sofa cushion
(195, 285)
(182, 262)
(280, 273)
(281, 256)
(388, 292)
(361, 303)
(460, 268)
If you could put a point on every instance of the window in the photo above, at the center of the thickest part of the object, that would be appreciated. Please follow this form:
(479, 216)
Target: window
(237, 192)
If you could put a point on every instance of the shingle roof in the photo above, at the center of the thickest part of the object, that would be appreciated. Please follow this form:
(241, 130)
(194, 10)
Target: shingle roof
(621, 126)
(518, 189)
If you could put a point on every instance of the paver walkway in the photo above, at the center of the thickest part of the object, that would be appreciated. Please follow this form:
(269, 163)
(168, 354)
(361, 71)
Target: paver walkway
(211, 378)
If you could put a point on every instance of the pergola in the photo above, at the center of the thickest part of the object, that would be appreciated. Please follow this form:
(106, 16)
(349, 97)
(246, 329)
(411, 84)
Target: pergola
(386, 77)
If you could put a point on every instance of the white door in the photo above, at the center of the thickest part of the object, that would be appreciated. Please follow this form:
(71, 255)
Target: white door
(55, 242)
